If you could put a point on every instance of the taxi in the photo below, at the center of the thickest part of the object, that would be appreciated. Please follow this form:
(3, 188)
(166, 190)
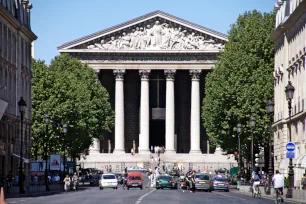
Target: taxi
(220, 183)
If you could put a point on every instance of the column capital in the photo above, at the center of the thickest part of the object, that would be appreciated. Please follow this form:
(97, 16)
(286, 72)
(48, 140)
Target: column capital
(144, 74)
(119, 74)
(170, 74)
(195, 74)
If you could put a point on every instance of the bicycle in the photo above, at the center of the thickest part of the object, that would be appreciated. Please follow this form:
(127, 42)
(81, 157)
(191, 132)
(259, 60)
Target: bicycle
(258, 194)
(278, 196)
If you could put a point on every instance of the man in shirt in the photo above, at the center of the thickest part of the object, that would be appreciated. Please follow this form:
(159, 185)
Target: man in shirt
(279, 183)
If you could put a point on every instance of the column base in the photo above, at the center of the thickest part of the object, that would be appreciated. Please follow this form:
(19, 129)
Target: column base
(195, 151)
(144, 151)
(170, 151)
(94, 151)
(119, 151)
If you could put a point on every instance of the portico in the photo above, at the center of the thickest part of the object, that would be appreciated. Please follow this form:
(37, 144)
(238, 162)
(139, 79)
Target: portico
(154, 69)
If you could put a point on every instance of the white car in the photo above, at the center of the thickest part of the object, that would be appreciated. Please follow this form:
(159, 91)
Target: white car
(137, 168)
(108, 181)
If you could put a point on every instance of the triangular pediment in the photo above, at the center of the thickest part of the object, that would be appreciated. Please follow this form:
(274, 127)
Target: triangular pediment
(156, 31)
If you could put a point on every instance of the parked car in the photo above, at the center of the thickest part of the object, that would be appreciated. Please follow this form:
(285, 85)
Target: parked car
(203, 181)
(108, 181)
(166, 182)
(220, 183)
(134, 180)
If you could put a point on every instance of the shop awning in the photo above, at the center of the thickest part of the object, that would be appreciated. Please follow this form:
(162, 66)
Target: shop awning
(3, 106)
(25, 160)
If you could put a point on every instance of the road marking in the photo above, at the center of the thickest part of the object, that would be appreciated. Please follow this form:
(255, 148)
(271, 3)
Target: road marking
(142, 197)
(229, 196)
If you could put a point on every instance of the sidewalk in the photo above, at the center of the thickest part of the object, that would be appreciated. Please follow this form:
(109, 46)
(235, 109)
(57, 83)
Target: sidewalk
(33, 194)
(272, 197)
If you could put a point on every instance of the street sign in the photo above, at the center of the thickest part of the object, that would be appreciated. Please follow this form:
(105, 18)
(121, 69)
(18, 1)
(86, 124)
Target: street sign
(290, 154)
(290, 146)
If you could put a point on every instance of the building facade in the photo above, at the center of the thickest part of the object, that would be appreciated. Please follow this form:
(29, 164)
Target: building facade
(290, 52)
(154, 69)
(16, 37)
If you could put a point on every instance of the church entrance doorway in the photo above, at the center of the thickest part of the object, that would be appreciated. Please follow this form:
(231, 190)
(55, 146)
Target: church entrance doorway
(157, 133)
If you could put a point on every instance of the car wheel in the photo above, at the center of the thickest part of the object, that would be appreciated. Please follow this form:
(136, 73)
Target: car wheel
(101, 188)
(157, 188)
(226, 190)
(141, 187)
(128, 188)
(209, 190)
(116, 188)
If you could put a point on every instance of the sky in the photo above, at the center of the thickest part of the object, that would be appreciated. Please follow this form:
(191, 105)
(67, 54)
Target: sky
(59, 21)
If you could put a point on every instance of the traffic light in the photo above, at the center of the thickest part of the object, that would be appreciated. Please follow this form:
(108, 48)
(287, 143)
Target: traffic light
(260, 159)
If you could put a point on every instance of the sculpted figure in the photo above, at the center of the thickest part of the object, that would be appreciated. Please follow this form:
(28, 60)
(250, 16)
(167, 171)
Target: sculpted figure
(133, 39)
(111, 45)
(141, 38)
(157, 32)
(166, 36)
(92, 47)
(147, 36)
(101, 45)
(137, 38)
(125, 41)
(174, 39)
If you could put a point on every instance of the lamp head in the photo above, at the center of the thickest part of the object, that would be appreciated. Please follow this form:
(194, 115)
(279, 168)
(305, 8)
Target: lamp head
(22, 105)
(289, 90)
(252, 122)
(65, 129)
(270, 107)
(47, 118)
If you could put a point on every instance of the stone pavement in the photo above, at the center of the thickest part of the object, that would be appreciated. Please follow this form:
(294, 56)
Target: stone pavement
(272, 197)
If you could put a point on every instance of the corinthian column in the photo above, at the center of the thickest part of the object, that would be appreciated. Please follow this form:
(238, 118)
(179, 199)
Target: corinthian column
(119, 112)
(144, 112)
(170, 75)
(195, 111)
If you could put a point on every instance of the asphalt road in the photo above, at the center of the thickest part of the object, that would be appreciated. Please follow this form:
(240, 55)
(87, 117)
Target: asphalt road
(93, 195)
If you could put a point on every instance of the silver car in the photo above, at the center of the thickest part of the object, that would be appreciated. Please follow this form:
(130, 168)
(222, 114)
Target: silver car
(220, 183)
(203, 181)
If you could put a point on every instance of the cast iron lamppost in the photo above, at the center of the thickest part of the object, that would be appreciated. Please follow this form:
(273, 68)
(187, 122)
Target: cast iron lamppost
(22, 106)
(289, 90)
(239, 149)
(252, 126)
(46, 152)
(270, 168)
(65, 131)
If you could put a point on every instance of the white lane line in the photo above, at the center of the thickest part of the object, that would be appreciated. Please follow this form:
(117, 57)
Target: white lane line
(229, 196)
(142, 197)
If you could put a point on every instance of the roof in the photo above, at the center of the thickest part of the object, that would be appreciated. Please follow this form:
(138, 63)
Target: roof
(135, 20)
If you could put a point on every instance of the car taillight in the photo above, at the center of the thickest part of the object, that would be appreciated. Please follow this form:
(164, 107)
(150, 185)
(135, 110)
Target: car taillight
(171, 181)
(227, 184)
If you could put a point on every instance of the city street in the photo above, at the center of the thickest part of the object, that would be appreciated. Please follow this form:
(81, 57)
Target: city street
(136, 196)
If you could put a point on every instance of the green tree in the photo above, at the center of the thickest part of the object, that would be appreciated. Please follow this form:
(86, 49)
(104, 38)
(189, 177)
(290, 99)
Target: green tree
(70, 92)
(241, 83)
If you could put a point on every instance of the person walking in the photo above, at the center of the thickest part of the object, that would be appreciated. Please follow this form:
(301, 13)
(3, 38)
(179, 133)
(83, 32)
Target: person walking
(193, 182)
(303, 182)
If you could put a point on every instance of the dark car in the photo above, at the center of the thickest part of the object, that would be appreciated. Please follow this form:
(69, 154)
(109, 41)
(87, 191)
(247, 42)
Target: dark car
(175, 173)
(166, 182)
(220, 183)
(95, 179)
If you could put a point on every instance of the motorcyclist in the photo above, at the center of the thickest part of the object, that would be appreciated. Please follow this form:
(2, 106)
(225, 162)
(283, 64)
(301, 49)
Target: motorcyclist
(124, 179)
(67, 182)
(75, 179)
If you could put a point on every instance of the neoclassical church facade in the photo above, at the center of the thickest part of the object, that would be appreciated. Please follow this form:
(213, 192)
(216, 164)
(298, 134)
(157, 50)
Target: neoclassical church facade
(154, 69)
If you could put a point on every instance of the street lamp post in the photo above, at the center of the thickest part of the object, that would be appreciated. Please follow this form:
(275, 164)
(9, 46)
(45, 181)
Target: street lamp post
(252, 125)
(46, 152)
(239, 146)
(65, 131)
(289, 90)
(270, 168)
(22, 106)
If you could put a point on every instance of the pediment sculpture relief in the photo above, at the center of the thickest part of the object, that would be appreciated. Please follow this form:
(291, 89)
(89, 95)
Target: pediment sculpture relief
(157, 37)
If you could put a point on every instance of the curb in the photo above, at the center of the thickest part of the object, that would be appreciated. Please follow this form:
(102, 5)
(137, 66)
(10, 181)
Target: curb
(33, 194)
(269, 197)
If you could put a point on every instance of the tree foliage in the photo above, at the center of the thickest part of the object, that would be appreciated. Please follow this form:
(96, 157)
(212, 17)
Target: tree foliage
(69, 92)
(241, 84)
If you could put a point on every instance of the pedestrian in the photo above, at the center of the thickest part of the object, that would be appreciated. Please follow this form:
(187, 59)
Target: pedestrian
(9, 179)
(193, 182)
(152, 148)
(303, 182)
(132, 151)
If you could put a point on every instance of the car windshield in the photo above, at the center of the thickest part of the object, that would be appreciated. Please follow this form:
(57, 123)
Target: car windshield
(109, 177)
(220, 179)
(202, 177)
(164, 177)
(134, 178)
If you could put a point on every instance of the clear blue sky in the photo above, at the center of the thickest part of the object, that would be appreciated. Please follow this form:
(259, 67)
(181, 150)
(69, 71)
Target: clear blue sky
(59, 21)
